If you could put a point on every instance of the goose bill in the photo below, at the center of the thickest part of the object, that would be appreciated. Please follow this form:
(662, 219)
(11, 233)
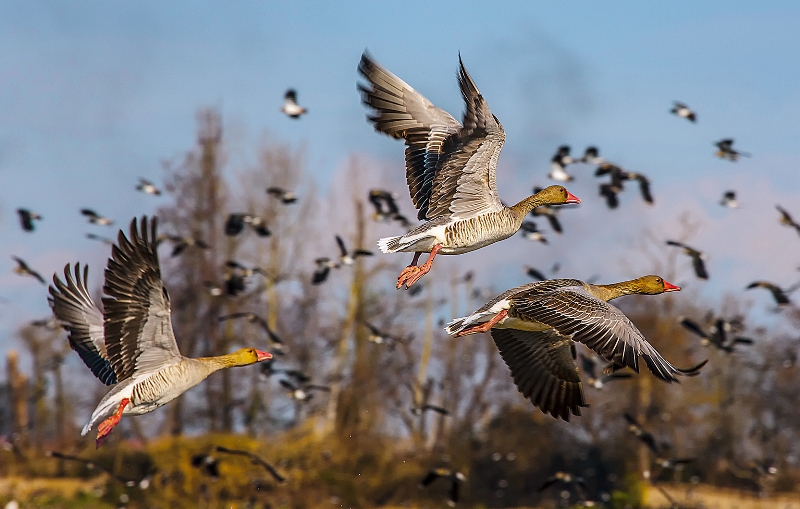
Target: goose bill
(669, 287)
(571, 198)
(263, 356)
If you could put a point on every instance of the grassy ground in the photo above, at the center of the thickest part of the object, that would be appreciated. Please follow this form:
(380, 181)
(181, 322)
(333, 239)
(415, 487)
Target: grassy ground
(709, 497)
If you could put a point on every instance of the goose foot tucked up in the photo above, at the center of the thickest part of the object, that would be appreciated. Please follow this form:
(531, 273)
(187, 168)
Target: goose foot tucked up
(105, 427)
(483, 327)
(413, 273)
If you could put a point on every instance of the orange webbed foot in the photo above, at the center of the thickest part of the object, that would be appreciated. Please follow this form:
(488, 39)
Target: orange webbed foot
(105, 427)
(407, 273)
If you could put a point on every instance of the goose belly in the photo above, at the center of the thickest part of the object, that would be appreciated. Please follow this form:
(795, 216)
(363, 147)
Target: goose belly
(160, 388)
(474, 233)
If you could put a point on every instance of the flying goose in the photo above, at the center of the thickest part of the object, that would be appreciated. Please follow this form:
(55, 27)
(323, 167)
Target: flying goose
(131, 345)
(255, 460)
(302, 391)
(257, 319)
(26, 218)
(592, 156)
(100, 238)
(23, 269)
(450, 169)
(380, 198)
(181, 242)
(642, 434)
(285, 196)
(323, 270)
(780, 295)
(344, 255)
(148, 187)
(455, 478)
(717, 335)
(380, 337)
(419, 410)
(683, 111)
(531, 232)
(536, 325)
(290, 106)
(698, 258)
(786, 219)
(726, 150)
(235, 224)
(589, 367)
(558, 164)
(729, 200)
(96, 218)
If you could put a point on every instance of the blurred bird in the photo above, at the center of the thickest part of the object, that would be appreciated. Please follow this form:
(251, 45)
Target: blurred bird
(256, 319)
(558, 164)
(51, 322)
(644, 185)
(180, 243)
(729, 200)
(290, 106)
(148, 187)
(96, 218)
(244, 271)
(786, 219)
(26, 218)
(100, 238)
(683, 111)
(235, 224)
(344, 255)
(302, 391)
(615, 186)
(207, 464)
(531, 232)
(419, 410)
(726, 150)
(698, 258)
(535, 273)
(323, 270)
(567, 478)
(380, 199)
(268, 369)
(592, 156)
(717, 335)
(23, 269)
(455, 478)
(610, 192)
(639, 432)
(379, 337)
(589, 367)
(255, 460)
(285, 196)
(781, 296)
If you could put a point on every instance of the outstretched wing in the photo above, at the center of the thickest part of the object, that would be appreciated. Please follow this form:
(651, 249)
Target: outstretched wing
(543, 369)
(73, 306)
(402, 112)
(575, 313)
(465, 183)
(138, 326)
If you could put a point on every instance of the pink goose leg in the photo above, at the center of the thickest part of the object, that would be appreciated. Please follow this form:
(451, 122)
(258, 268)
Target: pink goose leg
(417, 272)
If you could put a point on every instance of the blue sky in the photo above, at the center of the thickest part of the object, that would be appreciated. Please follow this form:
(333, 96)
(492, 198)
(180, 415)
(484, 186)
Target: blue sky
(92, 96)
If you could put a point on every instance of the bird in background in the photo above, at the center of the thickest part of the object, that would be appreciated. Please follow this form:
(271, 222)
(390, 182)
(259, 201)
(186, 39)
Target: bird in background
(718, 334)
(323, 270)
(419, 410)
(345, 257)
(641, 433)
(148, 187)
(698, 258)
(780, 295)
(610, 372)
(450, 169)
(558, 165)
(290, 106)
(284, 195)
(616, 185)
(725, 150)
(302, 391)
(131, 344)
(591, 156)
(454, 477)
(386, 208)
(100, 238)
(786, 219)
(531, 232)
(729, 200)
(207, 464)
(380, 337)
(237, 221)
(683, 111)
(181, 242)
(27, 218)
(23, 269)
(256, 319)
(96, 218)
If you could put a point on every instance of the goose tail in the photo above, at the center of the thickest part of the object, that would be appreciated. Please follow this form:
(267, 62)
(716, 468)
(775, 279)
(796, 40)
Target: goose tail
(390, 244)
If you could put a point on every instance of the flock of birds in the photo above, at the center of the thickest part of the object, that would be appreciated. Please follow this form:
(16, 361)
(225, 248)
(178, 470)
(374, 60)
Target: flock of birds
(451, 175)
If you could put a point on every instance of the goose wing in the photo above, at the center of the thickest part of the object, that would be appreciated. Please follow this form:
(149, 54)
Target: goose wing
(574, 312)
(138, 326)
(402, 112)
(465, 184)
(73, 306)
(543, 369)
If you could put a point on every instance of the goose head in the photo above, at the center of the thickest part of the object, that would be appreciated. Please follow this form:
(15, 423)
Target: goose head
(556, 195)
(652, 285)
(247, 356)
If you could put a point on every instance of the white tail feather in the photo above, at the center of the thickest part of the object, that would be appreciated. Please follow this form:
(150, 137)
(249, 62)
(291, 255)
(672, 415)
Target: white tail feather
(389, 244)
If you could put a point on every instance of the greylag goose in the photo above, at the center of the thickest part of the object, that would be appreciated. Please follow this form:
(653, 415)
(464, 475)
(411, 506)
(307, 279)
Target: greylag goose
(380, 198)
(23, 269)
(181, 242)
(780, 295)
(698, 258)
(531, 232)
(302, 391)
(729, 200)
(323, 270)
(717, 335)
(255, 460)
(290, 106)
(131, 345)
(345, 257)
(640, 433)
(380, 337)
(589, 368)
(455, 477)
(450, 169)
(148, 187)
(683, 111)
(235, 224)
(426, 407)
(558, 165)
(96, 218)
(284, 195)
(536, 325)
(726, 150)
(26, 218)
(592, 156)
(786, 219)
